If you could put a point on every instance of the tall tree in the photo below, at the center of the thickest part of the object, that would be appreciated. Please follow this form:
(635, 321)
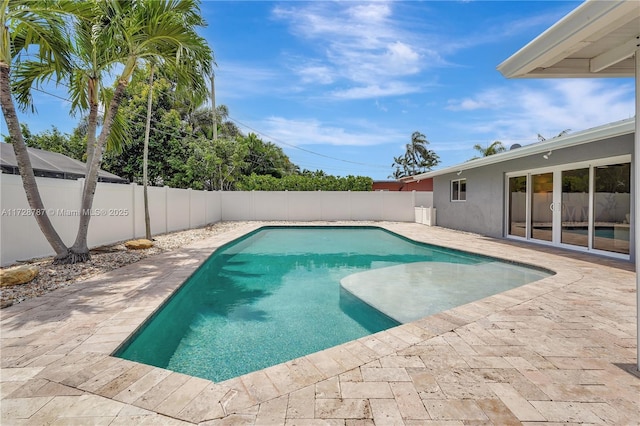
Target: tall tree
(265, 158)
(192, 90)
(145, 156)
(127, 33)
(418, 158)
(216, 164)
(28, 28)
(171, 135)
(202, 122)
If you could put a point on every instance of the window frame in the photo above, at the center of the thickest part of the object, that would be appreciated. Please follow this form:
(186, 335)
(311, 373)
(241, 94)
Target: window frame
(458, 183)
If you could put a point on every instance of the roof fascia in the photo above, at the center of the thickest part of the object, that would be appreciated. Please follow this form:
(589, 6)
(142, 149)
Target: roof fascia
(591, 135)
(567, 36)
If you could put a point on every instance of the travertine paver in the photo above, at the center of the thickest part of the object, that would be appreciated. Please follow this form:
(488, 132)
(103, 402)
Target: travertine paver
(560, 350)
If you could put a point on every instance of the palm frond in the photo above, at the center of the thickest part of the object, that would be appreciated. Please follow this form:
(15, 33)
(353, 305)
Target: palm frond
(25, 76)
(44, 24)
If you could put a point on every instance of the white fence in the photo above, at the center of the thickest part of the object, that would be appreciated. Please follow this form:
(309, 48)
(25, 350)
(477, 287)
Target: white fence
(118, 211)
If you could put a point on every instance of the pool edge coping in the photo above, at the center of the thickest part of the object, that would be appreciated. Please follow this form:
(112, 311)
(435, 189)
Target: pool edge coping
(245, 391)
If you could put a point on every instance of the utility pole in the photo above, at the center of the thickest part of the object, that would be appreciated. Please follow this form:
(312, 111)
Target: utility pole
(213, 107)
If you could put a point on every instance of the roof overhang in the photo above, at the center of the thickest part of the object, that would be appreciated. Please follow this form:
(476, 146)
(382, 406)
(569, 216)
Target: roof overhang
(597, 39)
(608, 131)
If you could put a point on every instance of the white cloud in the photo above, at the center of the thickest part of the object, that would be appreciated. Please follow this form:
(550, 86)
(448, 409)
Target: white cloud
(486, 99)
(234, 80)
(380, 106)
(370, 13)
(316, 74)
(524, 109)
(312, 131)
(402, 58)
(359, 46)
(374, 90)
(497, 29)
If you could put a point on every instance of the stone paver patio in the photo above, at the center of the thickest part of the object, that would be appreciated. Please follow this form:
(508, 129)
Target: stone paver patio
(559, 350)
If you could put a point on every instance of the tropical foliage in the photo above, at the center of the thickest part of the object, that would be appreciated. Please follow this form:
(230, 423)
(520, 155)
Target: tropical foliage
(182, 153)
(31, 33)
(182, 156)
(418, 158)
(168, 143)
(307, 181)
(83, 42)
(492, 149)
(151, 113)
(128, 33)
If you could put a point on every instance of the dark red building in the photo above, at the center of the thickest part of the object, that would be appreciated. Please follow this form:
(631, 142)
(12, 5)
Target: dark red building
(403, 185)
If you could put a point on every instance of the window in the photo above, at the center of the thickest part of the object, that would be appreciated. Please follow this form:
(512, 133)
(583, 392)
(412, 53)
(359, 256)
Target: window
(459, 190)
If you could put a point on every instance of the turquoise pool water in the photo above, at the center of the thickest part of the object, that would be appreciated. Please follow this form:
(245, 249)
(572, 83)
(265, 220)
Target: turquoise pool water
(275, 295)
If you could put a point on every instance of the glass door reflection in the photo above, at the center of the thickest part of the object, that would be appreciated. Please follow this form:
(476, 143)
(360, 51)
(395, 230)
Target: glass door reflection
(612, 207)
(575, 207)
(542, 207)
(518, 206)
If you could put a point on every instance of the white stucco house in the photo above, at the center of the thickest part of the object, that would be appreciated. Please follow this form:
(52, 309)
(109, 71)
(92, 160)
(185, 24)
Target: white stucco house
(572, 191)
(580, 191)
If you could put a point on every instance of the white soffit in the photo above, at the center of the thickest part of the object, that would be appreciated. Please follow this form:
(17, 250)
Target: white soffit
(597, 39)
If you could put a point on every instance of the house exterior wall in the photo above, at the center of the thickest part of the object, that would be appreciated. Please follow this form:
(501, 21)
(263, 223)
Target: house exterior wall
(483, 211)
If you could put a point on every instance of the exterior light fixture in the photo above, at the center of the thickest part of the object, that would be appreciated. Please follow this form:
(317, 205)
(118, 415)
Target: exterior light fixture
(547, 155)
(459, 172)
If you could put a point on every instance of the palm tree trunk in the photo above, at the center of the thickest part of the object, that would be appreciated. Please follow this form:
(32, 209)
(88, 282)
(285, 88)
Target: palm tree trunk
(92, 121)
(24, 166)
(145, 158)
(79, 252)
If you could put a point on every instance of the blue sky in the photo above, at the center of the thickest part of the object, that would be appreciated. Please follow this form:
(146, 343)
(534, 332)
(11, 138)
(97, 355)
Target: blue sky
(341, 86)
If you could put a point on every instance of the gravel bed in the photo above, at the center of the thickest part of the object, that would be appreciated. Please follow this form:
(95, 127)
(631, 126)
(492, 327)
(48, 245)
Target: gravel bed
(103, 259)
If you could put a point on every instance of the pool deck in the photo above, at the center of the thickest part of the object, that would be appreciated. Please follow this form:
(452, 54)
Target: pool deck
(559, 350)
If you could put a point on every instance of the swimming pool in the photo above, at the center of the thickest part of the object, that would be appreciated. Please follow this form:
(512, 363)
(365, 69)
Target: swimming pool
(276, 294)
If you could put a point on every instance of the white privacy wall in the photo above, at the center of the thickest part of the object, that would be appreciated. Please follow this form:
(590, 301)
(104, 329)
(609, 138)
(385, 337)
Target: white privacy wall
(118, 214)
(317, 205)
(118, 211)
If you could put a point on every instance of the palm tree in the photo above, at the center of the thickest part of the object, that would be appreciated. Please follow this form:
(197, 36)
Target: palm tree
(495, 148)
(418, 158)
(127, 33)
(193, 91)
(399, 165)
(41, 26)
(145, 156)
(202, 120)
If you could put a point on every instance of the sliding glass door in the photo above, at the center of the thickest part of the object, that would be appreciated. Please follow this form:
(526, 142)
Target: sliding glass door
(584, 206)
(612, 207)
(575, 207)
(542, 206)
(517, 224)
